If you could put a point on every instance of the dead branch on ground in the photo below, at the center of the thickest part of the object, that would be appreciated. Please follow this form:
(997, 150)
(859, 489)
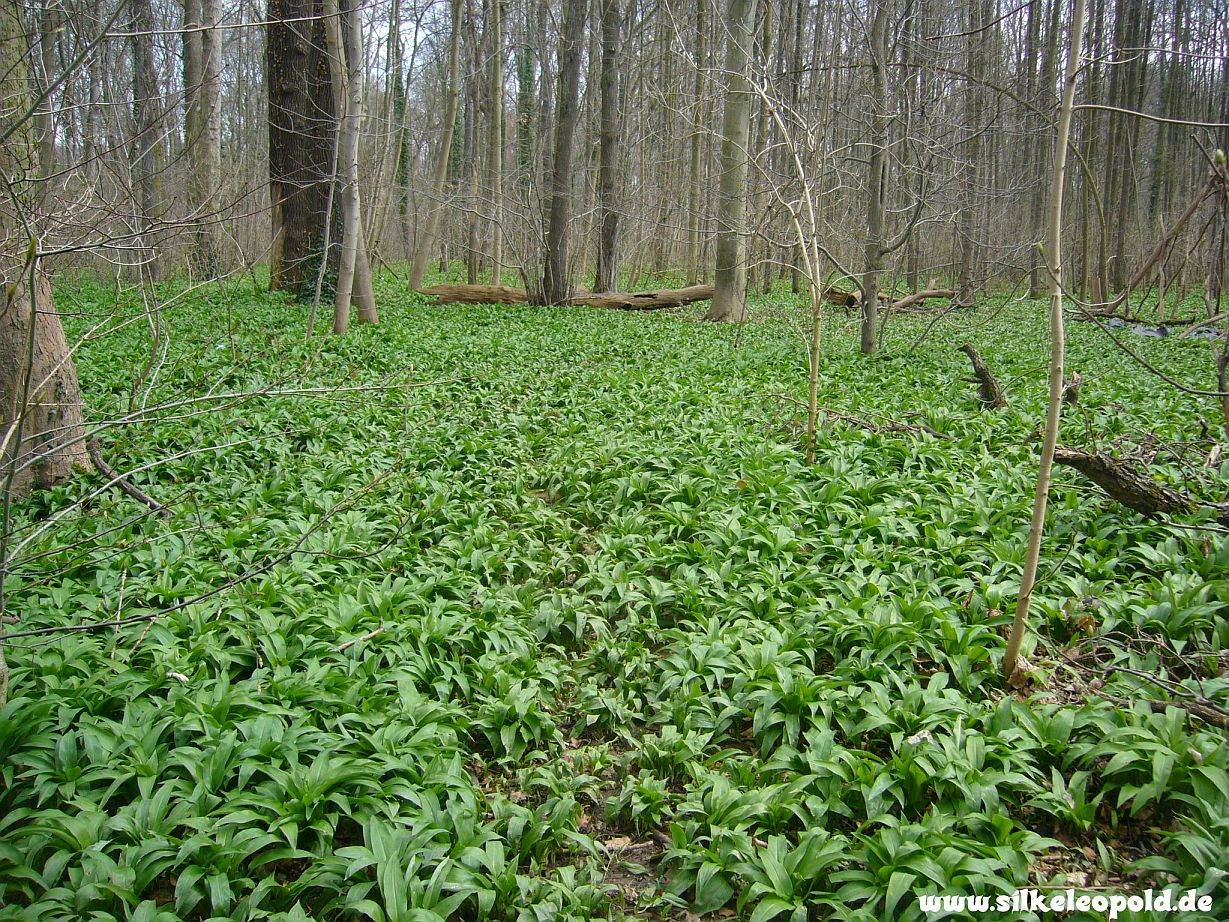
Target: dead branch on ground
(989, 391)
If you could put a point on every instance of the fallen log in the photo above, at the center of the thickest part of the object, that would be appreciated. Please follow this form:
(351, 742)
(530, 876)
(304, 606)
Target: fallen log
(1133, 488)
(989, 391)
(841, 297)
(644, 300)
(475, 294)
(919, 297)
(659, 299)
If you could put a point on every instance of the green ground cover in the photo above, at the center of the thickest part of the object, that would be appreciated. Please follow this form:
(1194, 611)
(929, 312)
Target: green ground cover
(575, 632)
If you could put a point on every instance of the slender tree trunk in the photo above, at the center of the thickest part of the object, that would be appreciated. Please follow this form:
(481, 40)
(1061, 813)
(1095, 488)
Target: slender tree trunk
(695, 184)
(1054, 263)
(1049, 67)
(346, 54)
(147, 144)
(979, 16)
(876, 175)
(730, 271)
(439, 175)
(606, 277)
(495, 134)
(556, 278)
(203, 126)
(50, 19)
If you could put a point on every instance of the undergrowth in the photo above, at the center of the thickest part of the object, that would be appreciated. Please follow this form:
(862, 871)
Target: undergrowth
(569, 630)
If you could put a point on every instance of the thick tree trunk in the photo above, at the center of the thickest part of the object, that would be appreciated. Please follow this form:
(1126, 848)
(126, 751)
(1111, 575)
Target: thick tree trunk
(41, 418)
(730, 271)
(556, 277)
(50, 19)
(302, 124)
(608, 169)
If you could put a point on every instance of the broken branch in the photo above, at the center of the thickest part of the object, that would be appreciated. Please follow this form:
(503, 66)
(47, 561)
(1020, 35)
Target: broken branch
(989, 390)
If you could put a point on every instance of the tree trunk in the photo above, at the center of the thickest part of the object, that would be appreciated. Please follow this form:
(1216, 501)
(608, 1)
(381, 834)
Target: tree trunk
(50, 19)
(1049, 68)
(659, 299)
(302, 125)
(203, 127)
(1054, 407)
(695, 184)
(979, 16)
(730, 271)
(346, 56)
(147, 143)
(41, 418)
(876, 175)
(556, 279)
(439, 176)
(495, 135)
(608, 169)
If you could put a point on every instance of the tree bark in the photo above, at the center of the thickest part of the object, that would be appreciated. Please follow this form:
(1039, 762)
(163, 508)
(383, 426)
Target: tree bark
(1037, 283)
(556, 278)
(989, 391)
(730, 271)
(606, 276)
(302, 125)
(41, 418)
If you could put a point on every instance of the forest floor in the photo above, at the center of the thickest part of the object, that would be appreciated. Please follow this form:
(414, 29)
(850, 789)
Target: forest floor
(541, 614)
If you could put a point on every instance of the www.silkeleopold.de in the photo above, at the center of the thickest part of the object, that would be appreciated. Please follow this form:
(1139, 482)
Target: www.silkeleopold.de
(1067, 901)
